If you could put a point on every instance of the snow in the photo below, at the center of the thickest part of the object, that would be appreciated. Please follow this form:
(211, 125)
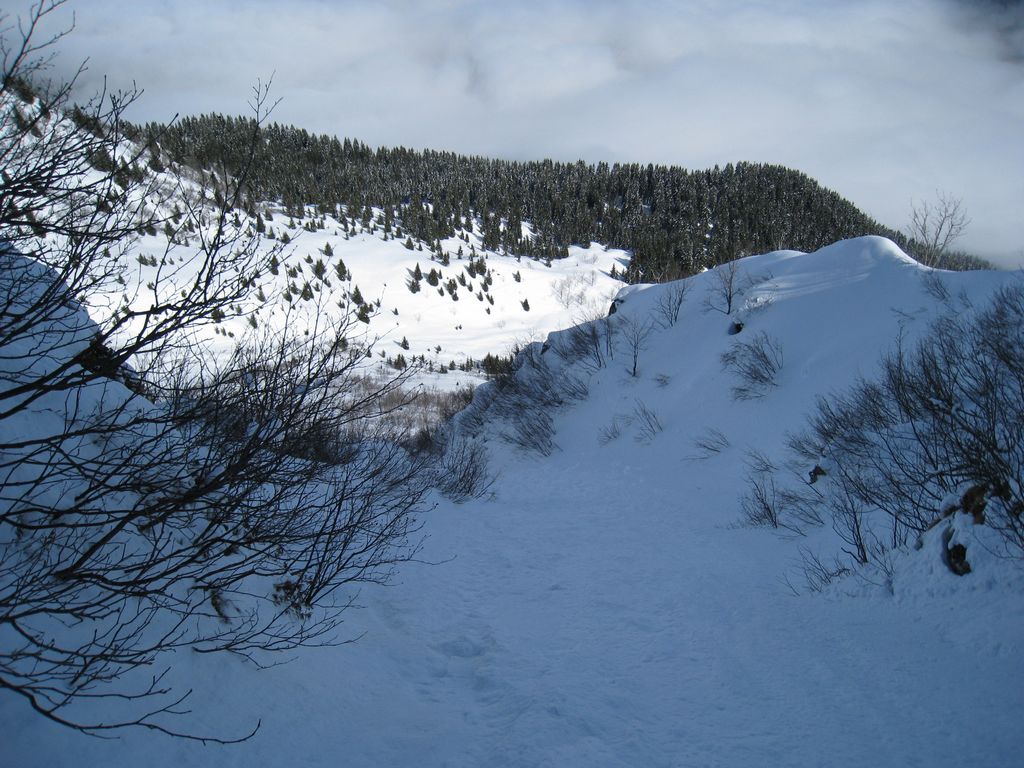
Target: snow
(567, 291)
(601, 607)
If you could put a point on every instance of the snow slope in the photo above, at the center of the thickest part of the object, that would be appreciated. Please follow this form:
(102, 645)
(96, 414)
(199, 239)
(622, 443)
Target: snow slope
(602, 607)
(484, 302)
(480, 320)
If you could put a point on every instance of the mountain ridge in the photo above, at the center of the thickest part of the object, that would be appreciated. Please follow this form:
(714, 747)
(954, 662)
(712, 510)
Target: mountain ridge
(675, 221)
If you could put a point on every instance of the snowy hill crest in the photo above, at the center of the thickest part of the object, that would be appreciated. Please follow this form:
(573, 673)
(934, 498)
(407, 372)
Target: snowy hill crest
(729, 368)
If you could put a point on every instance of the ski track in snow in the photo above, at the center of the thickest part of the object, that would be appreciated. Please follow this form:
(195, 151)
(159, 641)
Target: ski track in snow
(602, 609)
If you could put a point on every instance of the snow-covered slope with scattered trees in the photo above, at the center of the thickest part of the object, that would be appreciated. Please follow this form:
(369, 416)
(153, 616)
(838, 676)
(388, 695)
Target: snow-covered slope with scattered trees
(653, 578)
(446, 303)
(449, 307)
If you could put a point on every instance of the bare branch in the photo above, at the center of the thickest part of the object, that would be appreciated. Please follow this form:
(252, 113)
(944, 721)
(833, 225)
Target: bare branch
(935, 226)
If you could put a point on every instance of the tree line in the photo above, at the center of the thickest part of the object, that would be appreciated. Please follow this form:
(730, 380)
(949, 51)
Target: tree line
(675, 221)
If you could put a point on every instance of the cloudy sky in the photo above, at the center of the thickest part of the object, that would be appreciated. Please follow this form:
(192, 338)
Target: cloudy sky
(885, 102)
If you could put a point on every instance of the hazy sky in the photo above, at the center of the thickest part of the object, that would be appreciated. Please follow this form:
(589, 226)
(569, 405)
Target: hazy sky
(884, 102)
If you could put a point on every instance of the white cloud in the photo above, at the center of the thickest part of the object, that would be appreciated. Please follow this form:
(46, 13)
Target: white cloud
(881, 101)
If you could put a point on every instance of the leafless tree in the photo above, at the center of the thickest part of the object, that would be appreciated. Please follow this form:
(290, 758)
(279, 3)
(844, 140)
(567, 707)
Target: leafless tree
(152, 498)
(636, 334)
(935, 226)
(727, 283)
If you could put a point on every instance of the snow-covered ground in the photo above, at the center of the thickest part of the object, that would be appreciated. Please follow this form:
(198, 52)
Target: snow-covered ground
(480, 319)
(602, 608)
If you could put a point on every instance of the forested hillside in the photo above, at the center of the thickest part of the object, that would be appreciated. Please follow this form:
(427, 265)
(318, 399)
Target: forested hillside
(675, 221)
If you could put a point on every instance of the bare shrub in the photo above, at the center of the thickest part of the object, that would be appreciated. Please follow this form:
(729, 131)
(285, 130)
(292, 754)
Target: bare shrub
(945, 418)
(710, 442)
(463, 471)
(474, 418)
(447, 404)
(586, 344)
(572, 291)
(614, 430)
(264, 464)
(755, 364)
(764, 504)
(760, 504)
(573, 387)
(182, 503)
(648, 424)
(934, 286)
(523, 400)
(670, 301)
(759, 463)
(848, 513)
(532, 429)
(819, 574)
(802, 504)
(426, 412)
